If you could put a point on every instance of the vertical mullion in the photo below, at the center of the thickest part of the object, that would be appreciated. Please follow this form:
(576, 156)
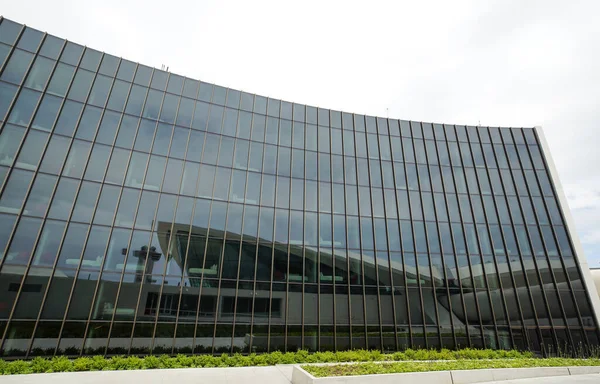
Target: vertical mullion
(257, 247)
(346, 250)
(408, 312)
(246, 188)
(454, 255)
(288, 252)
(437, 226)
(468, 254)
(559, 197)
(372, 219)
(484, 275)
(426, 232)
(480, 196)
(318, 245)
(360, 230)
(272, 273)
(387, 236)
(237, 283)
(332, 248)
(464, 236)
(412, 221)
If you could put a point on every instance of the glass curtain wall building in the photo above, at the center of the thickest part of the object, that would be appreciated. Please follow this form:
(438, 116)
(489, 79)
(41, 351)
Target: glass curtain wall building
(146, 212)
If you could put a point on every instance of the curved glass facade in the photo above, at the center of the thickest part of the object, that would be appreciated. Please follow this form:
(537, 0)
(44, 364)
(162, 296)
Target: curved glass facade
(145, 212)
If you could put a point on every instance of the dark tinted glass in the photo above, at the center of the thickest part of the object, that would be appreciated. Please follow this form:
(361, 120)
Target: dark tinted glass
(314, 227)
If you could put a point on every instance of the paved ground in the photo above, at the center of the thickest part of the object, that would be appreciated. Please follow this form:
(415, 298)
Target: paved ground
(281, 374)
(576, 379)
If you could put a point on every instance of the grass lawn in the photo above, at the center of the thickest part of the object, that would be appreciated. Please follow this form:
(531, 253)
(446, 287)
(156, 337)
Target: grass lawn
(370, 368)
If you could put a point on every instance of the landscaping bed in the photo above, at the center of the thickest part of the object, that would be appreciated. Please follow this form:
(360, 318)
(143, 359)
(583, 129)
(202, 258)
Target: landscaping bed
(372, 368)
(99, 363)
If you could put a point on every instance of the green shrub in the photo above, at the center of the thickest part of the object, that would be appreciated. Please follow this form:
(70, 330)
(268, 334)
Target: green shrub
(151, 362)
(204, 361)
(97, 363)
(37, 365)
(289, 358)
(82, 364)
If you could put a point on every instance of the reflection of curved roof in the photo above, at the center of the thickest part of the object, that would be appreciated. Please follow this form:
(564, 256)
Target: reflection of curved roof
(410, 271)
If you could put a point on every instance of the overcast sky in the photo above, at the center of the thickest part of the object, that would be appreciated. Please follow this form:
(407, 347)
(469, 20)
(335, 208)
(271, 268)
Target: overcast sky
(497, 63)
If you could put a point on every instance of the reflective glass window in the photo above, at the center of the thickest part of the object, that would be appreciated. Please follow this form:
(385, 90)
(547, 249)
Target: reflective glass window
(61, 79)
(109, 65)
(32, 150)
(108, 128)
(206, 182)
(77, 159)
(24, 107)
(86, 202)
(67, 120)
(16, 68)
(116, 170)
(81, 85)
(107, 205)
(47, 112)
(55, 154)
(127, 131)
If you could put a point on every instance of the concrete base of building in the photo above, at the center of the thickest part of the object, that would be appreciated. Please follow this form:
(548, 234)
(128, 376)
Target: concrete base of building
(300, 376)
(286, 374)
(281, 374)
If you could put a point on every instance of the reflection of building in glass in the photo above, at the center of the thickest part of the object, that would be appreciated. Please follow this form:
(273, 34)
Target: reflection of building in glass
(141, 211)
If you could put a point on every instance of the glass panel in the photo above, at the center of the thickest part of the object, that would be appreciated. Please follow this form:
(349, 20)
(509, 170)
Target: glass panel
(100, 90)
(39, 197)
(127, 207)
(9, 31)
(39, 74)
(86, 202)
(89, 123)
(20, 249)
(17, 66)
(15, 191)
(77, 159)
(24, 107)
(47, 112)
(107, 205)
